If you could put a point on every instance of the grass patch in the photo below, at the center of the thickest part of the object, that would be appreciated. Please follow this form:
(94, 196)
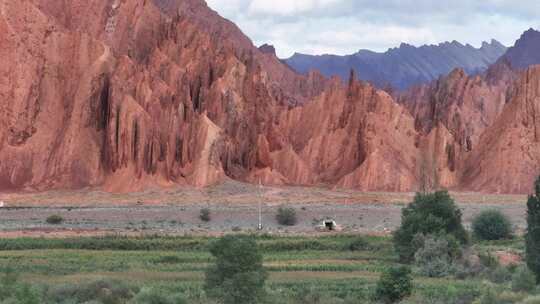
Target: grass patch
(298, 266)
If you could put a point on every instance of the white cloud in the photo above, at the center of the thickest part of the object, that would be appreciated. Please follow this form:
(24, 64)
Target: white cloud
(345, 26)
(287, 7)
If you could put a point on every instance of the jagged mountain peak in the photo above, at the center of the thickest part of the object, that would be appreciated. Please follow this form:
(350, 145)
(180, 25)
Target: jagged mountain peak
(525, 52)
(403, 66)
(268, 49)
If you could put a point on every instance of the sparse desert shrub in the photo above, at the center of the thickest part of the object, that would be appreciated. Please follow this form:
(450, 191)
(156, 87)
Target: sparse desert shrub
(492, 225)
(469, 264)
(205, 215)
(432, 213)
(523, 280)
(286, 216)
(532, 237)
(54, 219)
(394, 285)
(237, 276)
(435, 258)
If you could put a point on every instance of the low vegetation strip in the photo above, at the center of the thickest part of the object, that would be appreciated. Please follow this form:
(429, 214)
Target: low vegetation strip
(327, 268)
(189, 243)
(432, 258)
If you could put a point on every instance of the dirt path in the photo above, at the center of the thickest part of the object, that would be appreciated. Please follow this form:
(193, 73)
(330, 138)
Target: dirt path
(232, 193)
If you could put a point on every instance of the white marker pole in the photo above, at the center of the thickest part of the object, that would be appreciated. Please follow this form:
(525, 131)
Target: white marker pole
(260, 205)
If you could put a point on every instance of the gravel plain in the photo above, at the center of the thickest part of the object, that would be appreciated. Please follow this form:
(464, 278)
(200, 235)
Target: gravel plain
(234, 207)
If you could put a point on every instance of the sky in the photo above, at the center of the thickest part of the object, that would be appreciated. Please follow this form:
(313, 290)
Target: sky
(345, 26)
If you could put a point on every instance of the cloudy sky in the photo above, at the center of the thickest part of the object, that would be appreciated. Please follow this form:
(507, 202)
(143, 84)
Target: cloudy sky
(345, 26)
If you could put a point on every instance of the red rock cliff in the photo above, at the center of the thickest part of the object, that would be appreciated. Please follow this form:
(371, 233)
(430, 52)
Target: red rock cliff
(126, 94)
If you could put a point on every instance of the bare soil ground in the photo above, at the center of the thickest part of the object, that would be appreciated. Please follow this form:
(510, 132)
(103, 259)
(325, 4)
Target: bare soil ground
(233, 205)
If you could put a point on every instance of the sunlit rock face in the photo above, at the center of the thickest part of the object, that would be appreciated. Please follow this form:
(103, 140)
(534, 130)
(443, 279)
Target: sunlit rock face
(129, 94)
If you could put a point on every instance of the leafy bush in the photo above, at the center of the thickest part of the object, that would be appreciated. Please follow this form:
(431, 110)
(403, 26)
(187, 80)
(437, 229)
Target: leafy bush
(155, 296)
(314, 296)
(488, 297)
(26, 294)
(523, 280)
(8, 283)
(435, 258)
(286, 216)
(450, 294)
(238, 276)
(507, 297)
(532, 237)
(488, 260)
(492, 225)
(54, 219)
(105, 291)
(394, 285)
(358, 244)
(492, 295)
(531, 300)
(205, 215)
(433, 213)
(168, 259)
(11, 291)
(500, 275)
(244, 288)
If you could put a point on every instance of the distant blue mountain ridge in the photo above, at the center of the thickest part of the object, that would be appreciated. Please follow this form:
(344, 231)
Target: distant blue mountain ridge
(404, 66)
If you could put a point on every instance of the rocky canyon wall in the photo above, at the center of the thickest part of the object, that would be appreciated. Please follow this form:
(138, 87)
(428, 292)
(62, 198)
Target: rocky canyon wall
(129, 94)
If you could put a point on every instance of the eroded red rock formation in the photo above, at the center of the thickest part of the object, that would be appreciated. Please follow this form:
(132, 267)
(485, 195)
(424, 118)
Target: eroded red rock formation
(127, 94)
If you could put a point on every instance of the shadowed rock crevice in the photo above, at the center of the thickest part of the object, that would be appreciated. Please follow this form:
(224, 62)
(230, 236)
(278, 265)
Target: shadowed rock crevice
(104, 108)
(135, 141)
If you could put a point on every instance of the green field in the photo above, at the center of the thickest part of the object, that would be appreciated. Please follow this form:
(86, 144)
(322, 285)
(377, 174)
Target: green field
(302, 269)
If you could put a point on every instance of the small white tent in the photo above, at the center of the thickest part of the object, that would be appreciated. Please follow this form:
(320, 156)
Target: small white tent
(329, 225)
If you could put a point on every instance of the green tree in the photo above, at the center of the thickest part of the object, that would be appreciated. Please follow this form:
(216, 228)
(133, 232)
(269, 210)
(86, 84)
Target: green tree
(523, 280)
(238, 276)
(429, 214)
(492, 225)
(532, 237)
(394, 285)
